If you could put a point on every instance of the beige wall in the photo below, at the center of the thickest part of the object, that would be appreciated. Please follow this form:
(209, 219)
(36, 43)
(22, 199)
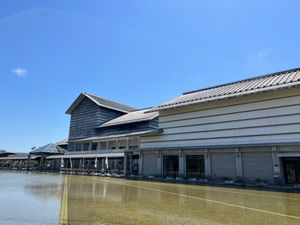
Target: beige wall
(266, 118)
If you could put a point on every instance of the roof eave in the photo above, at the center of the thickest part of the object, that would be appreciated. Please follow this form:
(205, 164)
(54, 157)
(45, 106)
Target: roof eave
(180, 105)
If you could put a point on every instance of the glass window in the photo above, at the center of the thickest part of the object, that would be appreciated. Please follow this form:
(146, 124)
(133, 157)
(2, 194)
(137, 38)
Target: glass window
(78, 147)
(86, 146)
(170, 165)
(94, 146)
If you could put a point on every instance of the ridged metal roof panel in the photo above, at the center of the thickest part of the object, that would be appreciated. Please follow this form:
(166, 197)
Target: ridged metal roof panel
(283, 79)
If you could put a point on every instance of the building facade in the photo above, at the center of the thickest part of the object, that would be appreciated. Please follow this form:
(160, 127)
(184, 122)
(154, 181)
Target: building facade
(104, 135)
(247, 131)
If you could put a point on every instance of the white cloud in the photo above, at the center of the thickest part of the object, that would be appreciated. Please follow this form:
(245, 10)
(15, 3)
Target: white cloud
(20, 72)
(260, 60)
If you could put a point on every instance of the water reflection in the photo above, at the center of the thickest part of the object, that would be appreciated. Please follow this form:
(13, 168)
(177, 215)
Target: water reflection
(35, 199)
(29, 199)
(95, 200)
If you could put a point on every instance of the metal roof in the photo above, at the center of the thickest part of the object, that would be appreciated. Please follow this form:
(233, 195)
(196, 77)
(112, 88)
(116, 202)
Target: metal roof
(269, 82)
(49, 149)
(5, 153)
(114, 136)
(132, 117)
(18, 156)
(62, 142)
(101, 102)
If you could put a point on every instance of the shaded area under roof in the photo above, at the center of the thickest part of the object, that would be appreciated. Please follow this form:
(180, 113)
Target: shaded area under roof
(101, 102)
(131, 117)
(48, 149)
(269, 82)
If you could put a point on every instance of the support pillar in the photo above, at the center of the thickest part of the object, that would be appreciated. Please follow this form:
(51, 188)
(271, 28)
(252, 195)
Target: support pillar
(207, 164)
(131, 164)
(159, 164)
(181, 165)
(238, 164)
(141, 164)
(276, 165)
(125, 165)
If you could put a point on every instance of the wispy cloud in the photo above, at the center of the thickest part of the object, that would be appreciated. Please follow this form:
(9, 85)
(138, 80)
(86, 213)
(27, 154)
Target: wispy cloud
(20, 72)
(259, 60)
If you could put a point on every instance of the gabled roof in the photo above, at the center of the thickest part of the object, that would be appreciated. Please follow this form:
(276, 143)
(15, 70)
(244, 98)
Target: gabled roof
(269, 82)
(101, 102)
(132, 117)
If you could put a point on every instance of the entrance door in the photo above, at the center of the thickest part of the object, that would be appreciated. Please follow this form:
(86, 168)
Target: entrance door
(292, 170)
(170, 165)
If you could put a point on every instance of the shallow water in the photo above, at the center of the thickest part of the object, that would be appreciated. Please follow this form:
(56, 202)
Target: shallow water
(36, 199)
(30, 199)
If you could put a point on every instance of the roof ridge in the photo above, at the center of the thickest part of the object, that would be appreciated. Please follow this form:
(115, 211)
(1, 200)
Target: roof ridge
(107, 99)
(244, 80)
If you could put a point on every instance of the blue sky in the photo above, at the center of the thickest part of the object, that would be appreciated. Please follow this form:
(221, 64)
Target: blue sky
(136, 52)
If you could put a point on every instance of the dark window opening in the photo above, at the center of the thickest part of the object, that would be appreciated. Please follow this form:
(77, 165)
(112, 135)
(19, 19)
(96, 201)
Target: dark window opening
(195, 166)
(170, 166)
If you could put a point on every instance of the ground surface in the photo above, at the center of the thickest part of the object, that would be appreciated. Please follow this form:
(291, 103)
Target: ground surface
(79, 200)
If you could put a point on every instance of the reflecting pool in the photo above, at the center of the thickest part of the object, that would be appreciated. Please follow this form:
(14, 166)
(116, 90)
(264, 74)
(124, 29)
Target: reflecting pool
(30, 199)
(79, 200)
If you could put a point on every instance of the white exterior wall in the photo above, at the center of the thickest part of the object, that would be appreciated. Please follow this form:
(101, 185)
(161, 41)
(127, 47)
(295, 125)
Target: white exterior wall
(266, 118)
(258, 165)
(150, 164)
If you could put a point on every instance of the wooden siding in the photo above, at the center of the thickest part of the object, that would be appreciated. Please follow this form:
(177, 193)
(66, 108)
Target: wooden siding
(86, 117)
(250, 120)
(126, 128)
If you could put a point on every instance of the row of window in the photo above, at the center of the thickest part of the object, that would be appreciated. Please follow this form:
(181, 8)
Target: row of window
(101, 146)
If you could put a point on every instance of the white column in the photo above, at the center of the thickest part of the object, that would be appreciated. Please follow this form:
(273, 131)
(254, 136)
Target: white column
(207, 163)
(181, 164)
(125, 164)
(131, 166)
(159, 164)
(238, 163)
(276, 164)
(141, 164)
(117, 144)
(62, 165)
(127, 143)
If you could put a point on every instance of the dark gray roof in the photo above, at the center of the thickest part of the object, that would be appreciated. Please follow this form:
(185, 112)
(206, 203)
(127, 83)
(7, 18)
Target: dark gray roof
(5, 153)
(17, 156)
(132, 117)
(101, 102)
(49, 149)
(114, 136)
(274, 81)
